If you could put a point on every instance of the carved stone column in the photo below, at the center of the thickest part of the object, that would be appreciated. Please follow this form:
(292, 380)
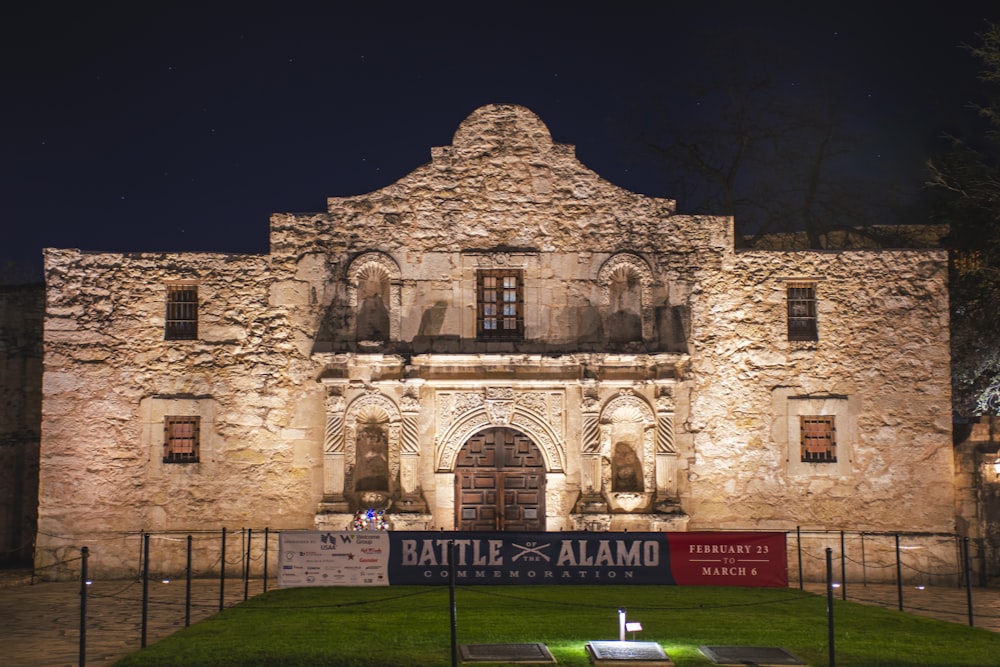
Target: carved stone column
(333, 452)
(666, 451)
(591, 501)
(411, 499)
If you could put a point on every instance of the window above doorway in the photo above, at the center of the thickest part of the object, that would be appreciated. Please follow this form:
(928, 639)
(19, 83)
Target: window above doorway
(500, 304)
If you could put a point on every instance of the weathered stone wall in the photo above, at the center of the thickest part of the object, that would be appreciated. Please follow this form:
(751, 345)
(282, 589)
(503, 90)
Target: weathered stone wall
(883, 347)
(110, 376)
(22, 308)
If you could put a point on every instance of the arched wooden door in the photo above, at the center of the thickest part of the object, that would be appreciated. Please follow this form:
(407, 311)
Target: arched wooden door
(500, 483)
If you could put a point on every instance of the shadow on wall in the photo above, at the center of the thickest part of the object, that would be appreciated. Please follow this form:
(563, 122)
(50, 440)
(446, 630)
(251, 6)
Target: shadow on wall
(22, 314)
(578, 327)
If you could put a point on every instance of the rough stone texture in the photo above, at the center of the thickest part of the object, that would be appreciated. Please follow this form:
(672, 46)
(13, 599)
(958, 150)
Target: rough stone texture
(22, 309)
(350, 354)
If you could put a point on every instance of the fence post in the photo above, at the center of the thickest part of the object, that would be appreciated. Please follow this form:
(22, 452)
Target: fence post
(829, 605)
(145, 588)
(864, 562)
(843, 568)
(968, 579)
(138, 572)
(798, 547)
(222, 573)
(187, 590)
(266, 535)
(899, 575)
(454, 609)
(84, 555)
(246, 569)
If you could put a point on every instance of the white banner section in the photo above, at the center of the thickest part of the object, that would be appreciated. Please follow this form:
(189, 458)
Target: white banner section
(328, 558)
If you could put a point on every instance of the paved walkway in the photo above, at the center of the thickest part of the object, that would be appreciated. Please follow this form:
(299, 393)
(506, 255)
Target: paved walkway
(942, 602)
(41, 621)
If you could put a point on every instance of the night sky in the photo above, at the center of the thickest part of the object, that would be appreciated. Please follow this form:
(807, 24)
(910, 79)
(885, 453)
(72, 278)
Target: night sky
(148, 126)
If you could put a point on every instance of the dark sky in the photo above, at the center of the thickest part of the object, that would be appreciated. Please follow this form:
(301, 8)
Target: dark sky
(148, 126)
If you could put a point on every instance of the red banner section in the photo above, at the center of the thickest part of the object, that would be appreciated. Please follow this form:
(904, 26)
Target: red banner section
(728, 559)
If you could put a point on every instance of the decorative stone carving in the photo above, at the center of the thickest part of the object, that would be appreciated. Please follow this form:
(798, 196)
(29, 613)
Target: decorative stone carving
(665, 434)
(379, 266)
(367, 417)
(628, 266)
(497, 406)
(628, 468)
(410, 400)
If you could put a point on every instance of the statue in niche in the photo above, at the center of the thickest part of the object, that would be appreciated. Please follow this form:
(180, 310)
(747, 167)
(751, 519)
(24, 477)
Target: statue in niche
(373, 313)
(626, 470)
(372, 470)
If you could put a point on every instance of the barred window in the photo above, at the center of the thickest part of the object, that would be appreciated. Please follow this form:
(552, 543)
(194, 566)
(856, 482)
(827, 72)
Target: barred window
(181, 437)
(500, 303)
(819, 441)
(802, 312)
(182, 313)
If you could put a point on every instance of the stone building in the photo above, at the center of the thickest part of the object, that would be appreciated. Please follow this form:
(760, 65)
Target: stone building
(500, 340)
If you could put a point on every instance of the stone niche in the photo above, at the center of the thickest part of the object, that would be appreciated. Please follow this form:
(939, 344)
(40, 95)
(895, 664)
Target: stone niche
(370, 457)
(628, 464)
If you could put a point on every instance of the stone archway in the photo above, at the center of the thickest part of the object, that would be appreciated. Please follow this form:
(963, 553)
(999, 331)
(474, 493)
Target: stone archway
(500, 483)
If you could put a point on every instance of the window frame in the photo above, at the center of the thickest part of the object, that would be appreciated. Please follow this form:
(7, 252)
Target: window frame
(175, 449)
(500, 304)
(181, 312)
(801, 311)
(818, 438)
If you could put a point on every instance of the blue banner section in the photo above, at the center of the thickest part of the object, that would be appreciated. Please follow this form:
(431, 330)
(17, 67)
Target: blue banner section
(530, 558)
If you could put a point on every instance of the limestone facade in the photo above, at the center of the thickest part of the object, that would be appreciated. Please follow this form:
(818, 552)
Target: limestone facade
(500, 336)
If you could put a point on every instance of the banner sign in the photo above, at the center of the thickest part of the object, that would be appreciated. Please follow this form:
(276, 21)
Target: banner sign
(728, 559)
(369, 558)
(530, 558)
(333, 558)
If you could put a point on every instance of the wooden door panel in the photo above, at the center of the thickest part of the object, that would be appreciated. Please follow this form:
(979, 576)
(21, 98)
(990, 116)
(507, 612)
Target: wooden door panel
(523, 499)
(500, 479)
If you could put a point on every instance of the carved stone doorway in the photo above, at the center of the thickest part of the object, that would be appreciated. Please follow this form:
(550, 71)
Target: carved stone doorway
(500, 483)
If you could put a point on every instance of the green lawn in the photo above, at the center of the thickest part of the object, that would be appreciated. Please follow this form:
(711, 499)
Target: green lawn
(410, 625)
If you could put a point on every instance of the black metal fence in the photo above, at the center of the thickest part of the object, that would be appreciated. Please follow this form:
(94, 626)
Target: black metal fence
(839, 559)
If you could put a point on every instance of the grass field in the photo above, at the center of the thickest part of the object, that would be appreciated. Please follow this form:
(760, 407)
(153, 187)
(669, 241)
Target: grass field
(410, 626)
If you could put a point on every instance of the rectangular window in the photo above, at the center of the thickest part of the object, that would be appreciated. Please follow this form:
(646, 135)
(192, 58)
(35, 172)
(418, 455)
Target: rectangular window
(819, 441)
(500, 304)
(182, 313)
(181, 439)
(802, 312)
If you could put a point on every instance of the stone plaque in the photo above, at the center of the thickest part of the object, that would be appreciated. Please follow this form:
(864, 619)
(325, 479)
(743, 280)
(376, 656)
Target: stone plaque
(508, 653)
(627, 654)
(765, 656)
